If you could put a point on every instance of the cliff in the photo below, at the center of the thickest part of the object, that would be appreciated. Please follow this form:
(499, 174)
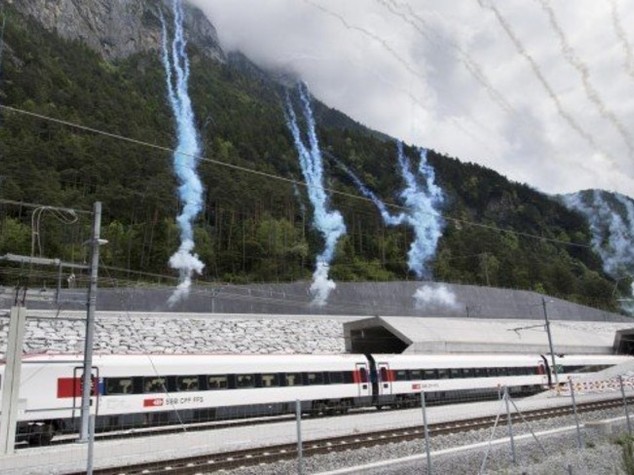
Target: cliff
(118, 28)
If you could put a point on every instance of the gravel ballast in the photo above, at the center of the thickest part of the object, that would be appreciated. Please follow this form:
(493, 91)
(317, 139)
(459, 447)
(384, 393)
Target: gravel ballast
(601, 454)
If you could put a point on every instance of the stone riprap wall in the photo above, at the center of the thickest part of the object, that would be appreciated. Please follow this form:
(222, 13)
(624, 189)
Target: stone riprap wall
(126, 333)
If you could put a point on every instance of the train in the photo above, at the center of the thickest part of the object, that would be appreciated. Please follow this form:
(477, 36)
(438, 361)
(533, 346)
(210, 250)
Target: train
(146, 390)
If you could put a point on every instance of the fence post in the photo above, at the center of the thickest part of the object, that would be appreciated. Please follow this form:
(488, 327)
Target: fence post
(574, 409)
(11, 384)
(91, 445)
(426, 428)
(509, 423)
(298, 419)
(627, 412)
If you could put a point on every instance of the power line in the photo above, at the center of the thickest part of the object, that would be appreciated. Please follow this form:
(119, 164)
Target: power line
(24, 204)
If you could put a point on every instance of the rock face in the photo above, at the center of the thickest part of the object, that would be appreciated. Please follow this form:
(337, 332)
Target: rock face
(119, 28)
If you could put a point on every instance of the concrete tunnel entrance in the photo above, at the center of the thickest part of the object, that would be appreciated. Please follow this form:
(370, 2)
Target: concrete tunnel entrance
(374, 340)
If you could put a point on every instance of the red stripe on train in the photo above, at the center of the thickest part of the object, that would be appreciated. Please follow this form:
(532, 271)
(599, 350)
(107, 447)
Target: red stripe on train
(68, 387)
(153, 402)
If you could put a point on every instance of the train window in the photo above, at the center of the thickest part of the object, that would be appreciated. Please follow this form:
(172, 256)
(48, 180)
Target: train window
(503, 371)
(363, 375)
(269, 380)
(416, 374)
(119, 386)
(293, 379)
(245, 381)
(443, 374)
(401, 375)
(431, 374)
(347, 377)
(314, 378)
(468, 372)
(336, 377)
(385, 376)
(217, 382)
(479, 372)
(489, 372)
(584, 369)
(154, 384)
(187, 383)
(455, 373)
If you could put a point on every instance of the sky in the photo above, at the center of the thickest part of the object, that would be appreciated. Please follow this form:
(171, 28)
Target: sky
(541, 91)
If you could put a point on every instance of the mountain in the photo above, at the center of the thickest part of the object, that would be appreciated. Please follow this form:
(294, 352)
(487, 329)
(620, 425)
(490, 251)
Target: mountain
(98, 64)
(611, 219)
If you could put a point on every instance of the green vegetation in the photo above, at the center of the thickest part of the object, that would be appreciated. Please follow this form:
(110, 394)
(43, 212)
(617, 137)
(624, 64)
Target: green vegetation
(253, 228)
(627, 445)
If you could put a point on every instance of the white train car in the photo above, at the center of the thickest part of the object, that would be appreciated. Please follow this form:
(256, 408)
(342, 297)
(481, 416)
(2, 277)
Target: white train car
(142, 390)
(146, 390)
(451, 377)
(580, 366)
(399, 379)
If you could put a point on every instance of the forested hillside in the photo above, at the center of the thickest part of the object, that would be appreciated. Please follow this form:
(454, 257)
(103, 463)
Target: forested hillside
(254, 228)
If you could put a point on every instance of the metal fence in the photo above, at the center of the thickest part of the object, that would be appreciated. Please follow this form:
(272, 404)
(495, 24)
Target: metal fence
(578, 427)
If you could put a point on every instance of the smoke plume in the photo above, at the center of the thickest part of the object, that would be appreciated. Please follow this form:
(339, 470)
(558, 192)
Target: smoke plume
(186, 155)
(622, 36)
(421, 25)
(611, 220)
(422, 199)
(570, 120)
(329, 223)
(591, 93)
(429, 296)
(388, 219)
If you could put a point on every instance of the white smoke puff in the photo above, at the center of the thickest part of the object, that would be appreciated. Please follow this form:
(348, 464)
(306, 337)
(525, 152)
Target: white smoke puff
(435, 296)
(187, 263)
(322, 285)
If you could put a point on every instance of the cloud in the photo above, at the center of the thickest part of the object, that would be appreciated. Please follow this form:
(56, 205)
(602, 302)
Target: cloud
(448, 76)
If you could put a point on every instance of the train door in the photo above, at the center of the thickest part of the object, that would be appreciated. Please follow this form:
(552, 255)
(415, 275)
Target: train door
(78, 372)
(362, 379)
(543, 369)
(385, 380)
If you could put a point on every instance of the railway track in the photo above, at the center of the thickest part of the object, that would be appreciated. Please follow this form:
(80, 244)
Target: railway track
(250, 457)
(171, 429)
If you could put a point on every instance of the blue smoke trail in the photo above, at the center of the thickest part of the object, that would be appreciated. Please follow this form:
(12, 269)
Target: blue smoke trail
(186, 155)
(329, 223)
(422, 201)
(365, 191)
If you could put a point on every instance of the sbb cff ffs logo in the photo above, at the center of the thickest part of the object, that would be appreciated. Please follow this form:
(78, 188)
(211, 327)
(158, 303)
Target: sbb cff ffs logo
(154, 402)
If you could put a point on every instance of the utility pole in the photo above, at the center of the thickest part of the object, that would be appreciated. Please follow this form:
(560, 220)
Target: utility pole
(550, 343)
(11, 383)
(84, 434)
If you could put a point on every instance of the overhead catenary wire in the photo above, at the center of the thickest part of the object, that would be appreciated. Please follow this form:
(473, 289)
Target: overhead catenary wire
(25, 204)
(275, 177)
